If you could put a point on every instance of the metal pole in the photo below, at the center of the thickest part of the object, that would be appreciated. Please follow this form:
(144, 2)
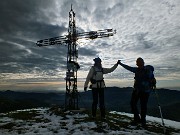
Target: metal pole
(157, 97)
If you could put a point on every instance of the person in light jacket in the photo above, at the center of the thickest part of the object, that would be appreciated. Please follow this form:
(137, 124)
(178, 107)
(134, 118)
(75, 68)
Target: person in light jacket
(95, 76)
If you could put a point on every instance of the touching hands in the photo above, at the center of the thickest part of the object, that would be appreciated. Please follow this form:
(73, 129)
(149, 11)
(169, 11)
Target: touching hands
(119, 62)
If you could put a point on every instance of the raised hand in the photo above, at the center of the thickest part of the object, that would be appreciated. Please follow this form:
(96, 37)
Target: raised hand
(119, 62)
(85, 88)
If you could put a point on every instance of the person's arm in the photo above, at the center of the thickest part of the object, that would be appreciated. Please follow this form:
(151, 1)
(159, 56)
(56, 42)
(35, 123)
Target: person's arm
(89, 76)
(132, 69)
(109, 70)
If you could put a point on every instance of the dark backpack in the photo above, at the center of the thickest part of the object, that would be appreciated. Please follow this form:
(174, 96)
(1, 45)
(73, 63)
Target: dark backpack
(144, 78)
(152, 79)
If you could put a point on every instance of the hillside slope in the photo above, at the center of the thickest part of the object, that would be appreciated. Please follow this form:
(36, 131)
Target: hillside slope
(116, 99)
(51, 121)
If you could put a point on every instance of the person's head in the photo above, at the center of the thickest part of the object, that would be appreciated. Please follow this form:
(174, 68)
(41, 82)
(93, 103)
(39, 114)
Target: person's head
(97, 62)
(140, 62)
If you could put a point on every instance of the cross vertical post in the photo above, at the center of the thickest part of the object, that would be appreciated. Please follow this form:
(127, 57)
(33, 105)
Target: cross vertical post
(71, 97)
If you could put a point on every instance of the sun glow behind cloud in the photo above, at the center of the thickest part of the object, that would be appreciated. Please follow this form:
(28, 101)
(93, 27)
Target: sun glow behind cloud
(148, 29)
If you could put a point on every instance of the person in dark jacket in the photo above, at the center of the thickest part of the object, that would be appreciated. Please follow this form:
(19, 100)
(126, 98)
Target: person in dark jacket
(141, 91)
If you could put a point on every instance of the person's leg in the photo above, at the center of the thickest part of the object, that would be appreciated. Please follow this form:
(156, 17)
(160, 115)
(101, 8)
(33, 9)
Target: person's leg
(134, 108)
(143, 101)
(101, 102)
(95, 101)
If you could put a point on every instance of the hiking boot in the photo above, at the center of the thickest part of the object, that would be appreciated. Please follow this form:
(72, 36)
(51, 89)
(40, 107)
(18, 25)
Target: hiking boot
(103, 119)
(93, 117)
(133, 123)
(143, 124)
(137, 119)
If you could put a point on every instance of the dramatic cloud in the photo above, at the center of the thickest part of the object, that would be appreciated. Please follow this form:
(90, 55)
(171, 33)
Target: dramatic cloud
(149, 29)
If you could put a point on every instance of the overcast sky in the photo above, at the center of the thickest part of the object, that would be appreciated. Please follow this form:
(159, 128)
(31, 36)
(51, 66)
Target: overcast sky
(145, 28)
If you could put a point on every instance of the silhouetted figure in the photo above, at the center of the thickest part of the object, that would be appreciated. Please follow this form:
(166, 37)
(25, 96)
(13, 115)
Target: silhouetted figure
(95, 76)
(142, 89)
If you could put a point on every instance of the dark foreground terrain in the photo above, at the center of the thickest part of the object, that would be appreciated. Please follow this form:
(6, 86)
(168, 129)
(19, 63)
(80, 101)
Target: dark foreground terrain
(116, 99)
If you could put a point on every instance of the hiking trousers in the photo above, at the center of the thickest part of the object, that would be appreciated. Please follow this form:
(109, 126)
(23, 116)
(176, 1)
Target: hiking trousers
(98, 97)
(143, 97)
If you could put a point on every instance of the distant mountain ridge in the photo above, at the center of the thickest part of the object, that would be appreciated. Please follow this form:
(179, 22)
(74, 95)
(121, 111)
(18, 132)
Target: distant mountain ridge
(117, 99)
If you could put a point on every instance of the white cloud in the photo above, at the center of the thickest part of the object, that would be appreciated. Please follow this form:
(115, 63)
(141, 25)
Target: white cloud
(148, 29)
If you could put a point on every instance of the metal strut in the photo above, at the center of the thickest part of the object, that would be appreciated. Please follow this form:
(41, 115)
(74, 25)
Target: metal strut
(71, 97)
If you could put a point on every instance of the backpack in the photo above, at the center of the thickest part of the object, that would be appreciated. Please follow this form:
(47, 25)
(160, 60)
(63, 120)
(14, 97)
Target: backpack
(94, 81)
(144, 78)
(152, 79)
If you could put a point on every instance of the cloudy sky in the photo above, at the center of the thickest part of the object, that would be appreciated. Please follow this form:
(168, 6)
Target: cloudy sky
(149, 29)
